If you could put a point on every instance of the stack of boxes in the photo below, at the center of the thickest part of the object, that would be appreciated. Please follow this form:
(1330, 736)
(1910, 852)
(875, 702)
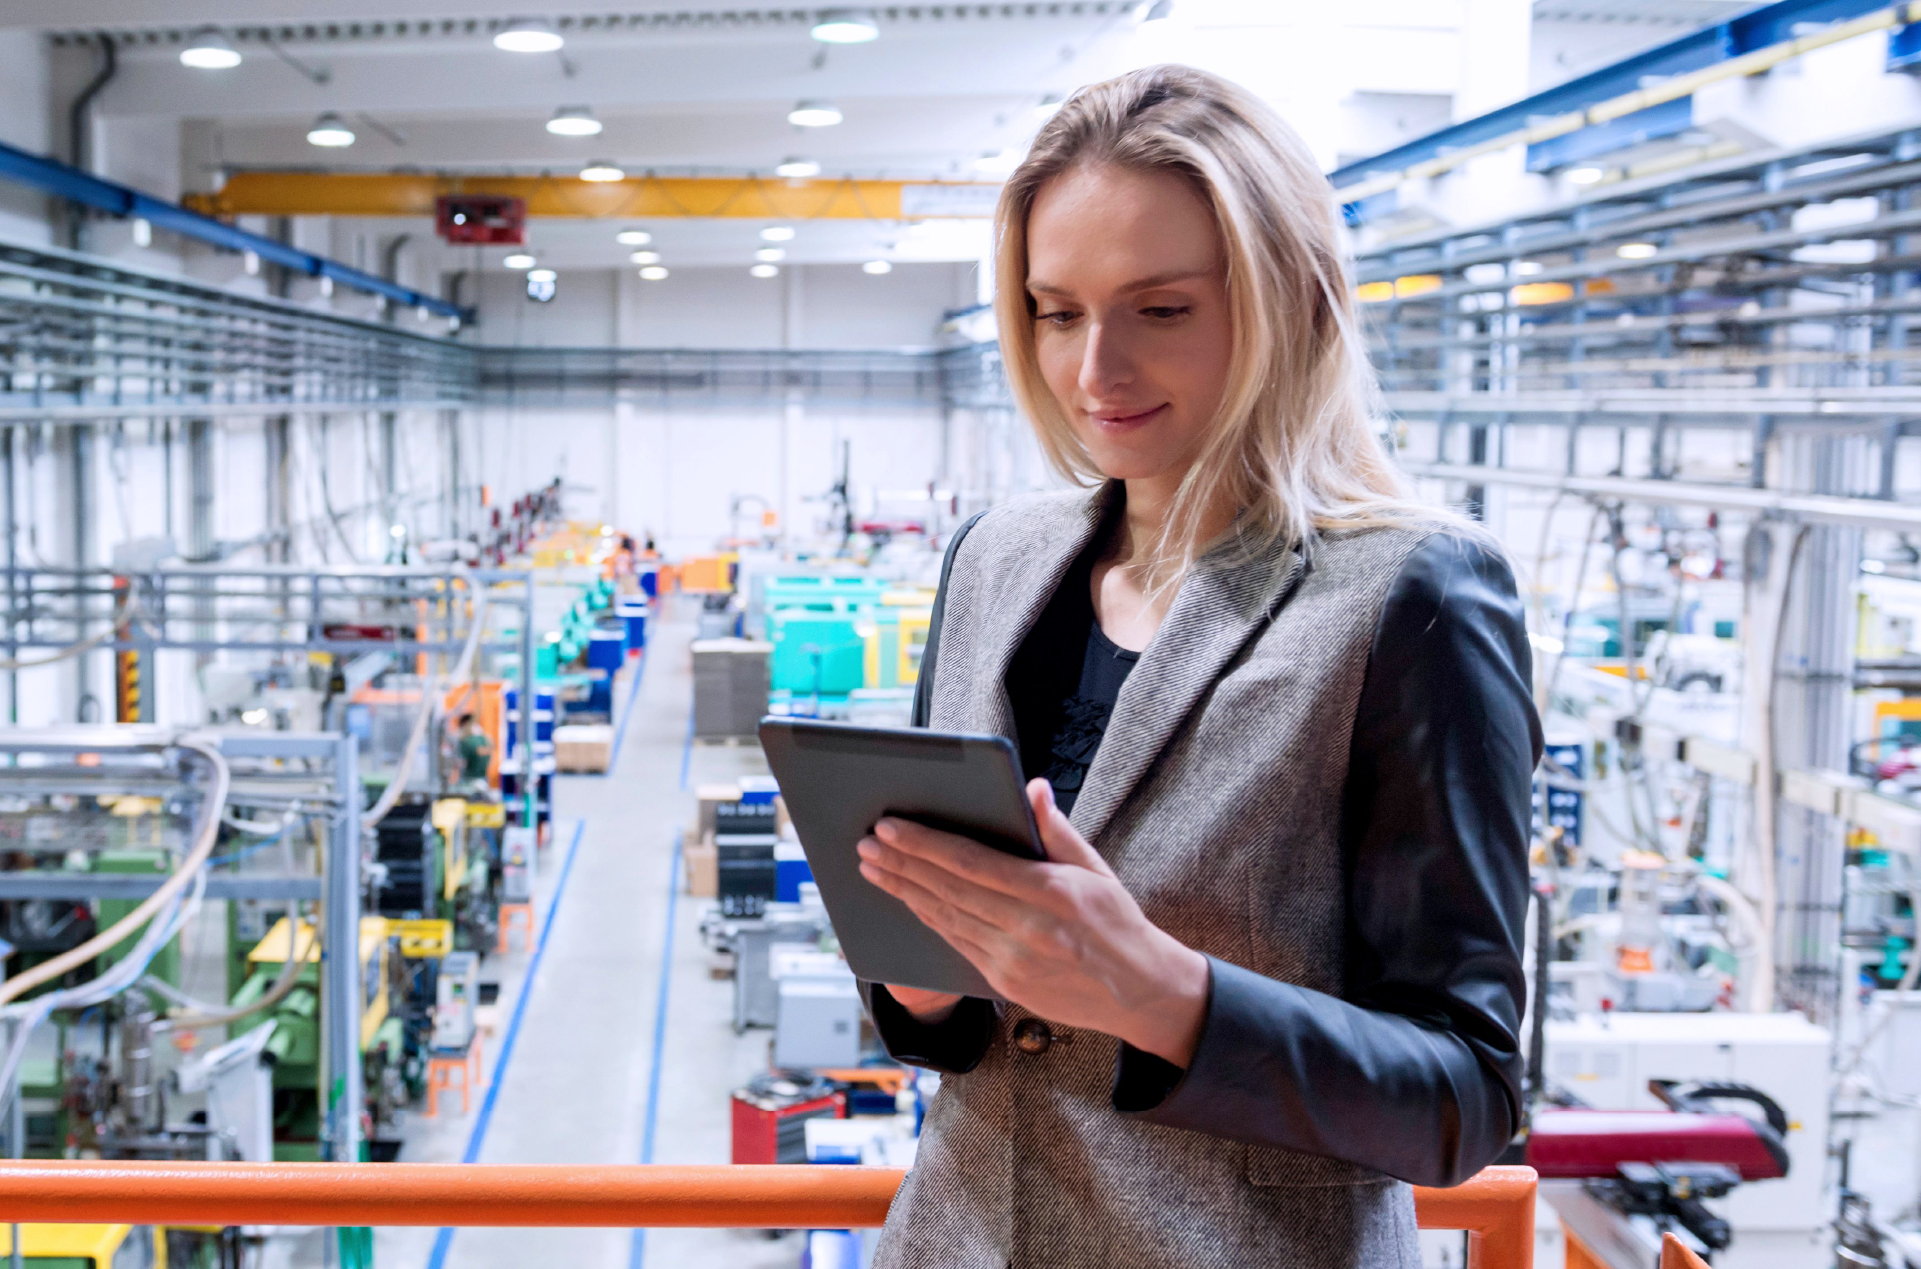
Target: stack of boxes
(745, 834)
(730, 688)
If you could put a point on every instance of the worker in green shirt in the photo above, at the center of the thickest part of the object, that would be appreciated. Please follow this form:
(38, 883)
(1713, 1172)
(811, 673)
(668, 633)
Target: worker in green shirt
(476, 751)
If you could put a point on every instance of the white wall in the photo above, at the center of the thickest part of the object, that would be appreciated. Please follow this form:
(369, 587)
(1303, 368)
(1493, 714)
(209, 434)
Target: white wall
(23, 123)
(809, 306)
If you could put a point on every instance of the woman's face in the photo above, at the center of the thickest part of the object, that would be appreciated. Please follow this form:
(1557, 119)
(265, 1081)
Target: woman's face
(1128, 280)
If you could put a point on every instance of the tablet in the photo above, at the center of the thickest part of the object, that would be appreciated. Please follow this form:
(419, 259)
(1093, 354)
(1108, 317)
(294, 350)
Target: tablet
(838, 779)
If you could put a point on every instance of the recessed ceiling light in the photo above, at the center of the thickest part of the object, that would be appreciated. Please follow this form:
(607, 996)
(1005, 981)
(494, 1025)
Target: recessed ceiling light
(768, 255)
(527, 35)
(877, 266)
(330, 130)
(846, 26)
(208, 49)
(602, 170)
(653, 273)
(645, 257)
(1636, 250)
(541, 275)
(765, 271)
(574, 121)
(519, 260)
(797, 169)
(633, 237)
(814, 114)
(1585, 175)
(777, 233)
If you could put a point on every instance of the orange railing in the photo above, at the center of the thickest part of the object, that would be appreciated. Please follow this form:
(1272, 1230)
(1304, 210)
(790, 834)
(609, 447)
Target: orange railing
(1676, 1256)
(1496, 1207)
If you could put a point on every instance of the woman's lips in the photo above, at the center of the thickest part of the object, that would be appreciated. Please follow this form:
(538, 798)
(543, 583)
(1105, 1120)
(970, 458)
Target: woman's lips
(1125, 420)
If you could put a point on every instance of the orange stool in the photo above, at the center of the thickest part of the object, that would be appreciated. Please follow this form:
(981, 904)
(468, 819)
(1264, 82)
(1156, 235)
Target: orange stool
(512, 914)
(441, 1065)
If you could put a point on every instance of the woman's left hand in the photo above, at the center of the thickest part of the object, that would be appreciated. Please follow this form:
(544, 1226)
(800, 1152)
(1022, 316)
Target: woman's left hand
(1062, 938)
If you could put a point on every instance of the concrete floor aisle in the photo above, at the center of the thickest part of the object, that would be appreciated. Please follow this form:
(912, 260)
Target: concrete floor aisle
(577, 1080)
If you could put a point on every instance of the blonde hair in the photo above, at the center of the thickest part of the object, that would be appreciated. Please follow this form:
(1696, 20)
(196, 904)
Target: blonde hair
(1294, 446)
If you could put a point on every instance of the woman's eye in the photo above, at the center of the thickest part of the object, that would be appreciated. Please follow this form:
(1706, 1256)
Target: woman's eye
(1059, 317)
(1165, 312)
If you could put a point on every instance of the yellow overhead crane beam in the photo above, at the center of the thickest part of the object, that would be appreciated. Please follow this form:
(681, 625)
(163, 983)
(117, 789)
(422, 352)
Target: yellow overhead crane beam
(652, 197)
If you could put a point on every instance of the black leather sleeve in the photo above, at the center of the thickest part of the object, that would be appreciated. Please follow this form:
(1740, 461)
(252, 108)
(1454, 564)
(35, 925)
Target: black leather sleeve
(1416, 1070)
(956, 1044)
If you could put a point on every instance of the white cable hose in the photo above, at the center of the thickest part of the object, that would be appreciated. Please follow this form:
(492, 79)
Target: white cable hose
(415, 738)
(1742, 910)
(206, 1014)
(213, 802)
(121, 977)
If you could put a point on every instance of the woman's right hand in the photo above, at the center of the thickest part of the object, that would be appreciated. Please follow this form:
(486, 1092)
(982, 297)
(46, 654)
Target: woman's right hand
(930, 1008)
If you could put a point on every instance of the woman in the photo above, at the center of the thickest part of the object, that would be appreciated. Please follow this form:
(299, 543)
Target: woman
(1281, 729)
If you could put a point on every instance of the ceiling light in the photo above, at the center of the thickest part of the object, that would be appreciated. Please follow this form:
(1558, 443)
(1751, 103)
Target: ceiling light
(777, 233)
(877, 266)
(574, 121)
(541, 275)
(602, 170)
(1636, 250)
(209, 50)
(1585, 175)
(633, 237)
(519, 260)
(846, 26)
(653, 273)
(1159, 11)
(645, 257)
(797, 169)
(814, 114)
(1048, 105)
(997, 162)
(765, 271)
(769, 255)
(330, 130)
(1526, 268)
(527, 35)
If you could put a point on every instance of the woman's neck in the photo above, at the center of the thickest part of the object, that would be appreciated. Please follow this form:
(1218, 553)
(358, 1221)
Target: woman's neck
(1149, 505)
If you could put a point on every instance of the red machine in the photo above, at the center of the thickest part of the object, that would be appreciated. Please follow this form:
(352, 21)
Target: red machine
(771, 1114)
(483, 219)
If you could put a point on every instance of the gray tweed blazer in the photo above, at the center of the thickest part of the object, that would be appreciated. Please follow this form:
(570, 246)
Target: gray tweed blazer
(1216, 796)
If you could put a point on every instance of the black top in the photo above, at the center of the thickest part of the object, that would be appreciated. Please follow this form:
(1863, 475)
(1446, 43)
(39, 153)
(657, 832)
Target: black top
(1064, 681)
(1415, 1068)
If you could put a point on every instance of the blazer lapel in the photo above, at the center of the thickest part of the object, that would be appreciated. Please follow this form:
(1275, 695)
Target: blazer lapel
(1222, 603)
(1013, 602)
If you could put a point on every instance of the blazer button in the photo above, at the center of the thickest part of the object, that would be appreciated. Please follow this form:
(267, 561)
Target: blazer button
(1032, 1036)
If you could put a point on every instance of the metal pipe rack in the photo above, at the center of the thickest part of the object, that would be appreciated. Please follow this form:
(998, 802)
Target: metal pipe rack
(271, 608)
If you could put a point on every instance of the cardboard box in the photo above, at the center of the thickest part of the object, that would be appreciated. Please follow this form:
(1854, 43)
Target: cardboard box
(584, 747)
(701, 859)
(712, 795)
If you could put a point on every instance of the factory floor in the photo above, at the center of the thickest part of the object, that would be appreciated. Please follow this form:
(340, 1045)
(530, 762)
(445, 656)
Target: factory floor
(581, 1074)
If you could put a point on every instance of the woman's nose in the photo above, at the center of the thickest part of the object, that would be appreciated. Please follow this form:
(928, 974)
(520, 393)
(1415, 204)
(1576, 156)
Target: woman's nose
(1106, 362)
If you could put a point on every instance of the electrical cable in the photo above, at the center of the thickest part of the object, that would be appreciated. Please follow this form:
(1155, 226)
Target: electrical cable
(1769, 900)
(429, 686)
(205, 1014)
(213, 801)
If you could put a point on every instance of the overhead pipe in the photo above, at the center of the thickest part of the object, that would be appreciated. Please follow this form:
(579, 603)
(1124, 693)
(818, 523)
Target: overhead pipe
(69, 182)
(80, 130)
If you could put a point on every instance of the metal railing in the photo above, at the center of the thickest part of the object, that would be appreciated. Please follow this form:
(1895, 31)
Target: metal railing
(1496, 1208)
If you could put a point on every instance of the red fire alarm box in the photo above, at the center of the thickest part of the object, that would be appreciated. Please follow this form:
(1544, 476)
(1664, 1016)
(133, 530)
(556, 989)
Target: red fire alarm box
(485, 219)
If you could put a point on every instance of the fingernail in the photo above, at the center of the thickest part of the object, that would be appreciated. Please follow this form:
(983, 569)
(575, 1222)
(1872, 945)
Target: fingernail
(871, 873)
(886, 829)
(867, 848)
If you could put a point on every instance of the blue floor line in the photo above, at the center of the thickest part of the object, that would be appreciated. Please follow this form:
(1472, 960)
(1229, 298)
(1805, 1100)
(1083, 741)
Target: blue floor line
(478, 1137)
(637, 1259)
(626, 712)
(687, 752)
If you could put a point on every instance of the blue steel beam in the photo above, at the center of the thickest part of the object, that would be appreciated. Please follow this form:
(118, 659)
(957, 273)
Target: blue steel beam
(1743, 33)
(74, 185)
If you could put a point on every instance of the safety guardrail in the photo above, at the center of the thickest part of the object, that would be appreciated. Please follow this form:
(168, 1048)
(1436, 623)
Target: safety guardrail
(1496, 1208)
